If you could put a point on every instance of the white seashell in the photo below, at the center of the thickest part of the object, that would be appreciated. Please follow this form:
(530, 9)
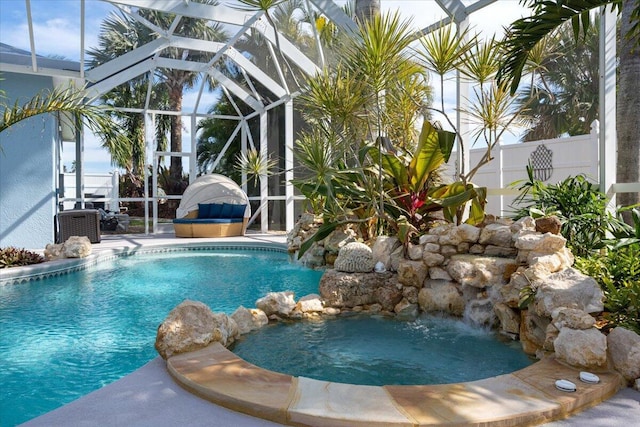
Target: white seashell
(588, 377)
(379, 268)
(565, 385)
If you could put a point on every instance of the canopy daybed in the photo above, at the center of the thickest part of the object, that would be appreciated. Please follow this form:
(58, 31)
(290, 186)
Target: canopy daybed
(212, 206)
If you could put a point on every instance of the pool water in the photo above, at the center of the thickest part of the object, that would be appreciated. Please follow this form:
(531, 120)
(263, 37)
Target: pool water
(63, 337)
(377, 351)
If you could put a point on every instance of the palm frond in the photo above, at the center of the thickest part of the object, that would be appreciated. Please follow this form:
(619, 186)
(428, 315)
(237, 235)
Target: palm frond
(525, 33)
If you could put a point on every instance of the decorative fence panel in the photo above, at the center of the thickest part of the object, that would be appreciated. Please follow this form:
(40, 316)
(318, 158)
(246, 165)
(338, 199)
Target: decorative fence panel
(553, 160)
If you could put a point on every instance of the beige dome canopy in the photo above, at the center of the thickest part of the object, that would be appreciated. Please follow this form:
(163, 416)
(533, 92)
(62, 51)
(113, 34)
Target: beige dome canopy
(212, 188)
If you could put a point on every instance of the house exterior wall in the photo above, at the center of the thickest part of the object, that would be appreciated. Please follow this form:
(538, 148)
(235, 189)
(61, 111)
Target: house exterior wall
(27, 170)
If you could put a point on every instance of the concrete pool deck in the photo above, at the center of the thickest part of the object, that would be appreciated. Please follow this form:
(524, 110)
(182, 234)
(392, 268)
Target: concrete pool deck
(152, 395)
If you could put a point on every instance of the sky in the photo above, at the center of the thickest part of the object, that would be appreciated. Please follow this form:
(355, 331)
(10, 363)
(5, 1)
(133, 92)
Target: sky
(56, 26)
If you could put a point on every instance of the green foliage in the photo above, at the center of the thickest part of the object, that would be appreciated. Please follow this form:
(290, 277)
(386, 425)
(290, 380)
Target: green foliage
(14, 257)
(618, 273)
(525, 33)
(579, 204)
(71, 100)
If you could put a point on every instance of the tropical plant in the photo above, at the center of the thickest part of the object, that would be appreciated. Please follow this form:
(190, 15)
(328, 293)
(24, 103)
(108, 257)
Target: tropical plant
(618, 273)
(524, 35)
(16, 257)
(374, 95)
(253, 164)
(410, 180)
(562, 96)
(70, 100)
(579, 205)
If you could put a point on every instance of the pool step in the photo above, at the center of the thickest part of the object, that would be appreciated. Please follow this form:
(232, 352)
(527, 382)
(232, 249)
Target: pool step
(525, 397)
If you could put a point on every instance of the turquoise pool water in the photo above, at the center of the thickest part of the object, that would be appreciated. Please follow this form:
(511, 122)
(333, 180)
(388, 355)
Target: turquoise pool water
(63, 337)
(377, 351)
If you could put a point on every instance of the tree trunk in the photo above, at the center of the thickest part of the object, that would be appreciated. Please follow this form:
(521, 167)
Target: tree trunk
(628, 108)
(175, 101)
(367, 9)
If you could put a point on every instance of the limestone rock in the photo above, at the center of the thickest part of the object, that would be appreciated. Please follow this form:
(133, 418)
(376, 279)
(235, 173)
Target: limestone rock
(414, 252)
(406, 309)
(480, 271)
(412, 273)
(278, 303)
(438, 273)
(468, 233)
(441, 296)
(532, 331)
(524, 224)
(581, 348)
(53, 251)
(337, 239)
(542, 243)
(432, 259)
(510, 293)
(476, 249)
(548, 224)
(396, 256)
(348, 290)
(480, 312)
(572, 318)
(496, 234)
(450, 236)
(509, 319)
(410, 294)
(552, 263)
(355, 257)
(500, 251)
(431, 247)
(249, 319)
(310, 303)
(76, 247)
(568, 288)
(551, 334)
(428, 238)
(448, 250)
(314, 256)
(383, 248)
(624, 347)
(191, 326)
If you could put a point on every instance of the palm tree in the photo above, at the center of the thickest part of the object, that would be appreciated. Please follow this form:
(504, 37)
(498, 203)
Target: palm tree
(524, 34)
(367, 9)
(71, 100)
(563, 95)
(124, 34)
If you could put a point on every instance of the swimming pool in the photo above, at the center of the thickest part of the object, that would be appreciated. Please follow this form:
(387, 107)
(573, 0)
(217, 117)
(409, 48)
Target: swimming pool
(66, 336)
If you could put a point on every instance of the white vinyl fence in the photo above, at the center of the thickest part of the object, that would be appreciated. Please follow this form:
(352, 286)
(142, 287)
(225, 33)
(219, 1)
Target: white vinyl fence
(96, 187)
(554, 160)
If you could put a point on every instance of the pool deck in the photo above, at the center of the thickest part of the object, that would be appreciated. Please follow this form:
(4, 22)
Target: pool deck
(213, 387)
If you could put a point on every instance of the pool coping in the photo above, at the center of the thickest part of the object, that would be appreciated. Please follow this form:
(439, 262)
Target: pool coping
(524, 397)
(47, 269)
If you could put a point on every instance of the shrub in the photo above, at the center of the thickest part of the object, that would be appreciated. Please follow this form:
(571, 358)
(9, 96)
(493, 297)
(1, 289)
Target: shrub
(618, 273)
(579, 204)
(14, 257)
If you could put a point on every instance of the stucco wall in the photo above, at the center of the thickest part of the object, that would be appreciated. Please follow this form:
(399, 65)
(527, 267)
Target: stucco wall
(27, 176)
